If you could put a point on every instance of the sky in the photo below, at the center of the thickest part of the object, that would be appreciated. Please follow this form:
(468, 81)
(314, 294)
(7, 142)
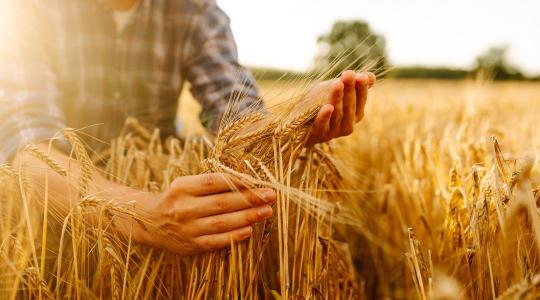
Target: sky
(283, 33)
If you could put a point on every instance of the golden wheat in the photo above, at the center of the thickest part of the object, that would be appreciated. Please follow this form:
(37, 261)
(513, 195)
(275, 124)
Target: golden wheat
(433, 197)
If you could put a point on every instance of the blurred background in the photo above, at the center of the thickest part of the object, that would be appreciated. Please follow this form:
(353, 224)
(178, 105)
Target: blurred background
(417, 38)
(424, 49)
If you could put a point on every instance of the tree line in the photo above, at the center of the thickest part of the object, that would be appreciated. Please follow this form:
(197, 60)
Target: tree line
(353, 45)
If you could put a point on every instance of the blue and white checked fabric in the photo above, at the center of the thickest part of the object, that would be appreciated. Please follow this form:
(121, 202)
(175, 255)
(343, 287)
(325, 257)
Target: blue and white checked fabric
(62, 64)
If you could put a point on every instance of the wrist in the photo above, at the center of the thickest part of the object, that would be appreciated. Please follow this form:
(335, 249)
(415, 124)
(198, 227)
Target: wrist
(137, 202)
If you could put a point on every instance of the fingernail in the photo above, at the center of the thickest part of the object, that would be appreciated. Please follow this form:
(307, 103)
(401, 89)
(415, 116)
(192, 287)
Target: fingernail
(246, 232)
(269, 195)
(349, 80)
(264, 212)
(362, 77)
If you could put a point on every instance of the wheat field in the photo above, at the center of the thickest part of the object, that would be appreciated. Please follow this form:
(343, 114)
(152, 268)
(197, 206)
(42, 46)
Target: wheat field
(443, 176)
(435, 196)
(446, 173)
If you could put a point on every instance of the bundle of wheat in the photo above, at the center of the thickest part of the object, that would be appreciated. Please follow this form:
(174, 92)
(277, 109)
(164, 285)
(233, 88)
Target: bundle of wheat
(291, 255)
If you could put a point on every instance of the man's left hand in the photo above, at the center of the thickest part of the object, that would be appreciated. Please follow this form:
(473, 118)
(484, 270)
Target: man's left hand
(343, 107)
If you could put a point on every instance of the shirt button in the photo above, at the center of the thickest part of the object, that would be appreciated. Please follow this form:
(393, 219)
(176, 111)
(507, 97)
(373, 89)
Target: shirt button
(117, 95)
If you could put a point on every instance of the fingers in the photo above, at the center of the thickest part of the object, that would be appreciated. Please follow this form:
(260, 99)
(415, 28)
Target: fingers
(336, 99)
(205, 184)
(230, 221)
(321, 125)
(223, 240)
(349, 102)
(363, 81)
(229, 202)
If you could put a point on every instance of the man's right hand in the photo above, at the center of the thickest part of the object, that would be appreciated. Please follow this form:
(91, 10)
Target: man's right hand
(196, 214)
(202, 213)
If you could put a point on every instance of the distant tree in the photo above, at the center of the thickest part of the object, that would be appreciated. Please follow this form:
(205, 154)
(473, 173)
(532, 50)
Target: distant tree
(428, 72)
(494, 63)
(351, 45)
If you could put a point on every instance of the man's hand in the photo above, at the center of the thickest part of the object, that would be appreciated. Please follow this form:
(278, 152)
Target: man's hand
(344, 100)
(202, 213)
(196, 214)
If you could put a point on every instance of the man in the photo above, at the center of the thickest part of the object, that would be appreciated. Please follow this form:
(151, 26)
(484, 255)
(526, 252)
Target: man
(83, 62)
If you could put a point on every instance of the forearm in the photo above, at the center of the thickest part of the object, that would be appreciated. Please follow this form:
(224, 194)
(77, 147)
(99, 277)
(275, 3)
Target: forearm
(62, 190)
(196, 214)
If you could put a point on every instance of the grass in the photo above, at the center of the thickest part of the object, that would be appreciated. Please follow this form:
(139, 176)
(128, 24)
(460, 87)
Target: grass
(433, 197)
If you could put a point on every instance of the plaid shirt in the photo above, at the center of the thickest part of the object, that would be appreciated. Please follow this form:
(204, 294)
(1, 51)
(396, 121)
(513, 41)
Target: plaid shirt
(62, 64)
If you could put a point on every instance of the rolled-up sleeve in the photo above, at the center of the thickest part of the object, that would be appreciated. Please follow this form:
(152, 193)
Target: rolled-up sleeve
(215, 75)
(29, 95)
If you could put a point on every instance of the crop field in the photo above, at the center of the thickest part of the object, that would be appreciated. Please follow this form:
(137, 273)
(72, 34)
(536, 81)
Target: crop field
(444, 178)
(434, 196)
(449, 177)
